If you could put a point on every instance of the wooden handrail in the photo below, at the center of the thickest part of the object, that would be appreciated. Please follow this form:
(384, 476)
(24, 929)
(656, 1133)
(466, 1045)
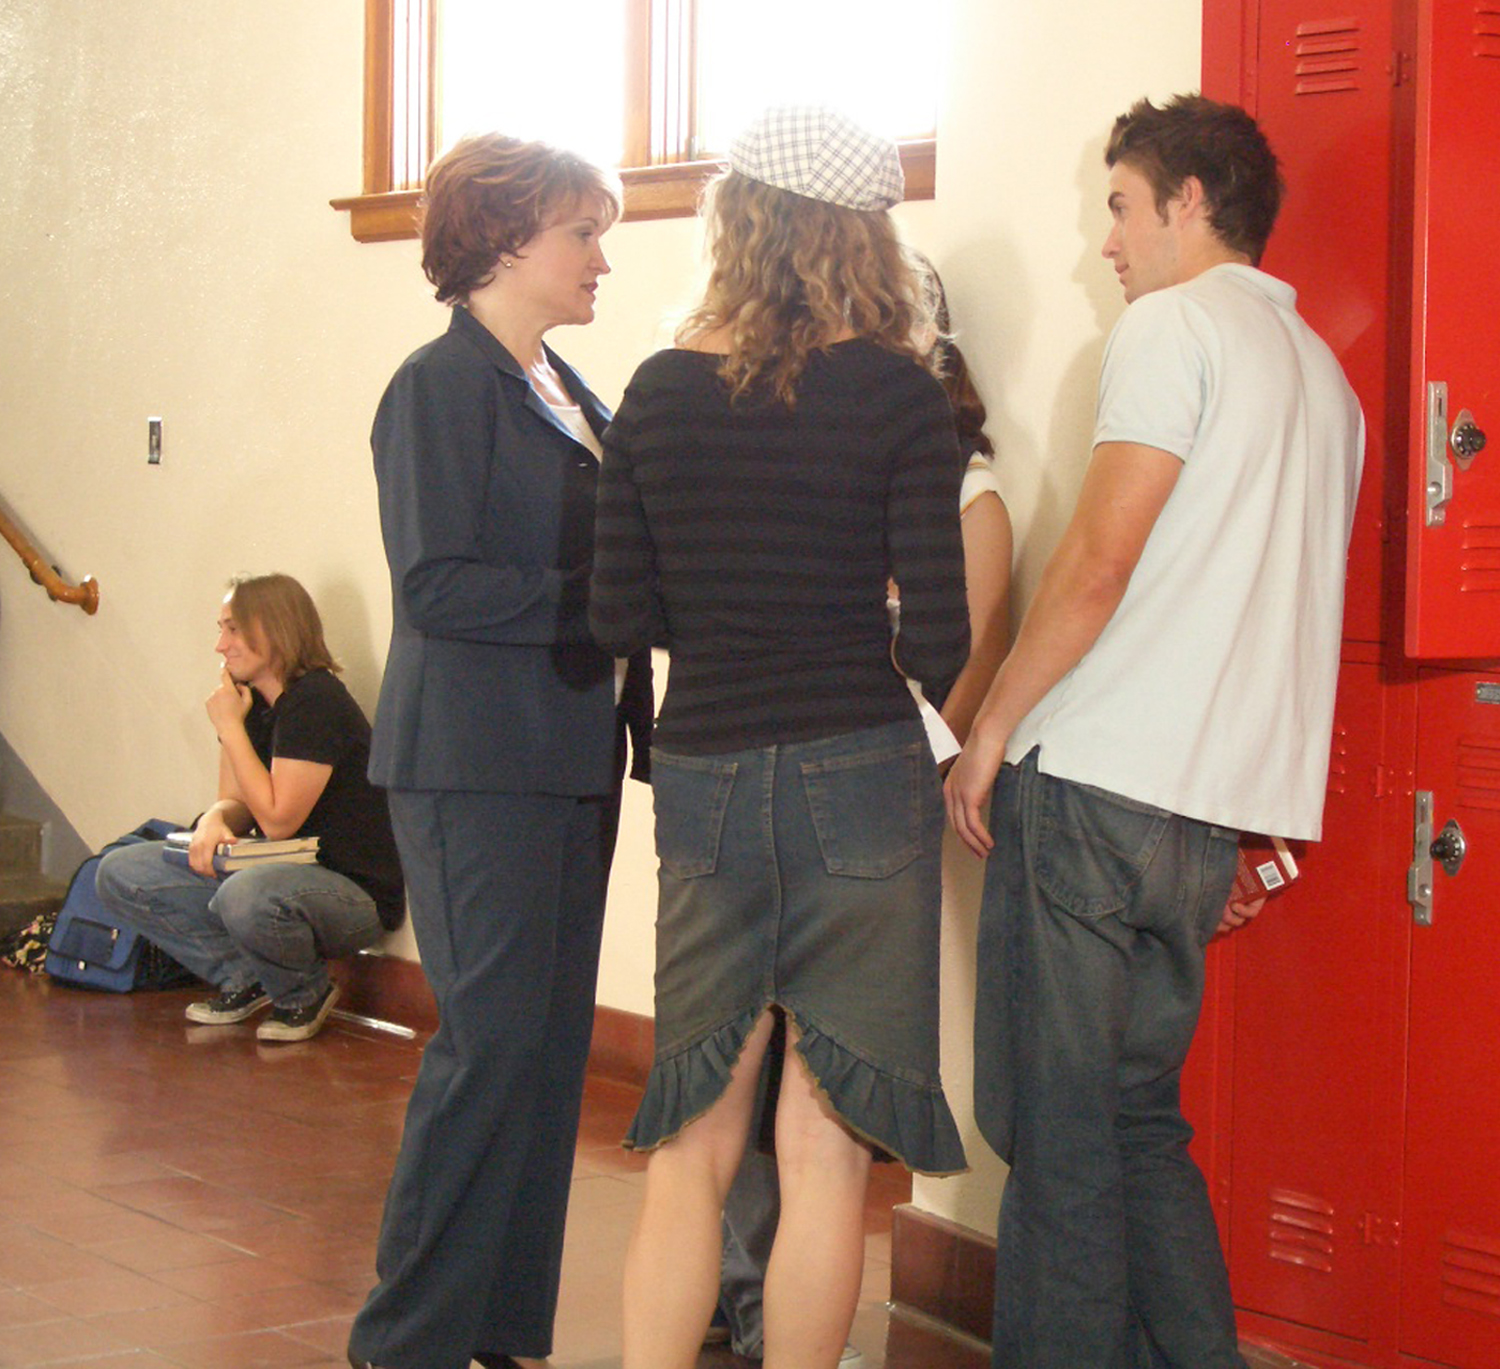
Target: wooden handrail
(85, 594)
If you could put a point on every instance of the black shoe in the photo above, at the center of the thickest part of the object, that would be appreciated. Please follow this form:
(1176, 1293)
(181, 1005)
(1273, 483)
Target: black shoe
(230, 1006)
(298, 1024)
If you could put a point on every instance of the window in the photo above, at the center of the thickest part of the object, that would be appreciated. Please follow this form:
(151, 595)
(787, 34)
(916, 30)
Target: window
(655, 87)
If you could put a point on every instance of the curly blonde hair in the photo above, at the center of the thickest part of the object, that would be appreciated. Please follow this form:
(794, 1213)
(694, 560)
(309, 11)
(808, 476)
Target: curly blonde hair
(792, 275)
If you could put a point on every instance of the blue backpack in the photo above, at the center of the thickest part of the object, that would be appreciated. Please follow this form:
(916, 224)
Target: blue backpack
(90, 950)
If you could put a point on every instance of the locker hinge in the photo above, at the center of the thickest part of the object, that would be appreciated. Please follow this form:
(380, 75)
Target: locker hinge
(1380, 1230)
(1399, 68)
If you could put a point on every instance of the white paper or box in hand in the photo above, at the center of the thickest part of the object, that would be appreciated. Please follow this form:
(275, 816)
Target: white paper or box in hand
(1266, 867)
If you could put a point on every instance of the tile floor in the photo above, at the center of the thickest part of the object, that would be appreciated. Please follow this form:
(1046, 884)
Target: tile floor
(183, 1197)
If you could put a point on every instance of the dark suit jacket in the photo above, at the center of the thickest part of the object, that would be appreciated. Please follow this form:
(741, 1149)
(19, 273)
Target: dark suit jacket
(487, 511)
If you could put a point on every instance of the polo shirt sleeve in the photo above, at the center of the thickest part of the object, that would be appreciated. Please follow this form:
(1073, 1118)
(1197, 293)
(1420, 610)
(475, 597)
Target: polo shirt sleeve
(1152, 388)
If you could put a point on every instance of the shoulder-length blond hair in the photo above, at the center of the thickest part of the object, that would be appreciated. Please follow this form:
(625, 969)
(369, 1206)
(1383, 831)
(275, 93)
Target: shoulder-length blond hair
(791, 275)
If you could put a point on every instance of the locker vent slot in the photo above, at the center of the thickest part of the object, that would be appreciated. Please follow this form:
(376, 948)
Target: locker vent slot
(1301, 1230)
(1479, 571)
(1479, 773)
(1471, 1273)
(1328, 56)
(1486, 28)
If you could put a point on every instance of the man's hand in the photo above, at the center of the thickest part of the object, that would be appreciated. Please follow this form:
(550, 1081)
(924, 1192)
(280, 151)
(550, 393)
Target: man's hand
(968, 787)
(228, 704)
(1237, 915)
(208, 835)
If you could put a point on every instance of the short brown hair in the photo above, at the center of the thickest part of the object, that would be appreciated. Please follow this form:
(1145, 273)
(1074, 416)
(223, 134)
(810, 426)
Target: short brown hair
(791, 274)
(490, 194)
(1219, 144)
(282, 622)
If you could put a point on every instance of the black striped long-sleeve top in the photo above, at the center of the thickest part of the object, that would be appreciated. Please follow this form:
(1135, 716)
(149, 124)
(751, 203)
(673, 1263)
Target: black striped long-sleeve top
(755, 543)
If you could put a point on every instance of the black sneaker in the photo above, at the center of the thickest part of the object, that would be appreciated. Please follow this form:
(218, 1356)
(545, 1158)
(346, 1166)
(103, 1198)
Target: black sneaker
(298, 1024)
(231, 1005)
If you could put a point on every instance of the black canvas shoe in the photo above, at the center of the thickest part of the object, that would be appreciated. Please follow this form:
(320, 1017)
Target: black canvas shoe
(298, 1024)
(229, 1007)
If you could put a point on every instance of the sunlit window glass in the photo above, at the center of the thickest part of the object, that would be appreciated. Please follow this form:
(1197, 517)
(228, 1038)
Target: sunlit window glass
(877, 60)
(548, 71)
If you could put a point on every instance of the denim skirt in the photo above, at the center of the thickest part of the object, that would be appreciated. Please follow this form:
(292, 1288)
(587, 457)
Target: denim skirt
(806, 876)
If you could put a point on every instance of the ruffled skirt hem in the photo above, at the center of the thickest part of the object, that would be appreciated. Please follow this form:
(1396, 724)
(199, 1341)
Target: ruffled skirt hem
(902, 1119)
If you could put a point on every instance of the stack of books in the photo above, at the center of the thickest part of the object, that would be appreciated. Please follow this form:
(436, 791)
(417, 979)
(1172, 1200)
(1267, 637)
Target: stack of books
(246, 852)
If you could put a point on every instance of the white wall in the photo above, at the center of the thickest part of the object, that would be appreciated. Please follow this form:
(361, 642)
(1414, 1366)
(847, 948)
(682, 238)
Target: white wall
(166, 247)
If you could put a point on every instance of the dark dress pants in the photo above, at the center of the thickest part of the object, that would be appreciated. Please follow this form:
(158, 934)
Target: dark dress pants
(507, 902)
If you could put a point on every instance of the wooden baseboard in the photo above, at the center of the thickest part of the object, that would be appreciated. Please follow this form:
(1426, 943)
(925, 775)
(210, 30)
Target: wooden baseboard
(395, 990)
(942, 1270)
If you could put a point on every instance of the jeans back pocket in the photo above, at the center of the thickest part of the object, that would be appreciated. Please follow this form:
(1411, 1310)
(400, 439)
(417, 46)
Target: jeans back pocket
(867, 808)
(690, 795)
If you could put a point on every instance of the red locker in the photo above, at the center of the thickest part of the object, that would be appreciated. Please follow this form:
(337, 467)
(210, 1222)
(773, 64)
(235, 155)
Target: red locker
(1344, 1083)
(1450, 1250)
(1453, 515)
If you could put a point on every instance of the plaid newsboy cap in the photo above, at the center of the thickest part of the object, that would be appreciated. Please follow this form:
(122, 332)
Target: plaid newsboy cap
(822, 154)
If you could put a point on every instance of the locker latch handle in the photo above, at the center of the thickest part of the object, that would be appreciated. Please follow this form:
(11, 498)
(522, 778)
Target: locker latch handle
(1448, 849)
(1439, 484)
(1419, 875)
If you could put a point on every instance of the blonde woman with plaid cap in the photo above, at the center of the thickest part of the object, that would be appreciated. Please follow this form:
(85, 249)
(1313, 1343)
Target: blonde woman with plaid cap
(762, 482)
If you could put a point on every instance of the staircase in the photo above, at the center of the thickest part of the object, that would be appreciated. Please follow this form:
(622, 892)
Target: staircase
(25, 893)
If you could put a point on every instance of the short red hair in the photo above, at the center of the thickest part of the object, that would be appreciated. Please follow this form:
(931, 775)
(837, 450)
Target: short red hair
(491, 194)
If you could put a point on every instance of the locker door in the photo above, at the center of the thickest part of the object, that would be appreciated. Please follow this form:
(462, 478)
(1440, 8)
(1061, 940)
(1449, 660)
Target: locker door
(1450, 1260)
(1322, 91)
(1316, 1134)
(1453, 510)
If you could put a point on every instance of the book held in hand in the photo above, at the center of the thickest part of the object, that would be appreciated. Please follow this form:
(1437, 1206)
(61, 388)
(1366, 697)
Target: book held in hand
(246, 852)
(1267, 867)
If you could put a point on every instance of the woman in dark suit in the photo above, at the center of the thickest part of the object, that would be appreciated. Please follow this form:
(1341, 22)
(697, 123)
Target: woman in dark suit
(498, 736)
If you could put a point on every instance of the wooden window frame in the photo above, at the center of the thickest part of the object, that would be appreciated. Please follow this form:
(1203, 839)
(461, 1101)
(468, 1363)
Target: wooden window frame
(400, 124)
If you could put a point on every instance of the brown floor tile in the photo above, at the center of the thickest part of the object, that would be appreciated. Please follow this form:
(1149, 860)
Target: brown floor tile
(22, 1309)
(66, 1338)
(130, 1359)
(249, 1350)
(177, 1228)
(120, 1291)
(166, 1249)
(289, 1306)
(243, 1274)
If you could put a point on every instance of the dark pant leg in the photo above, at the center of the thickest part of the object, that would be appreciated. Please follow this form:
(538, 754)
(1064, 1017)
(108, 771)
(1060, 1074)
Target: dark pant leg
(1178, 1282)
(485, 879)
(1095, 915)
(752, 1211)
(532, 1249)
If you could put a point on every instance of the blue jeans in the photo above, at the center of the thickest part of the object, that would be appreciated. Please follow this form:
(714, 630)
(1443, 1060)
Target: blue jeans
(276, 925)
(1095, 917)
(752, 1212)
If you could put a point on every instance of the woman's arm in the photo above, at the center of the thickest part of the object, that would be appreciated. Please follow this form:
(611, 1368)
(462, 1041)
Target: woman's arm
(625, 612)
(987, 567)
(922, 533)
(434, 441)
